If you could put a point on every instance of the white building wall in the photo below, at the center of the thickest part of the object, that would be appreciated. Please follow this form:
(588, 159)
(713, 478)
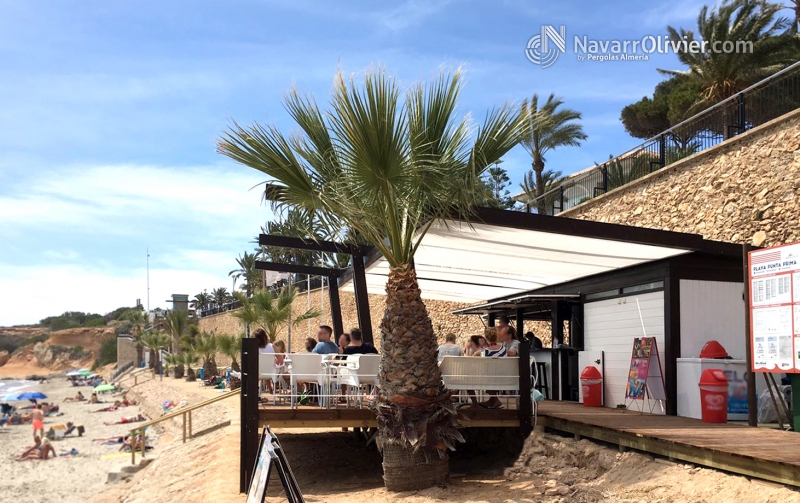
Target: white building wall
(712, 310)
(611, 326)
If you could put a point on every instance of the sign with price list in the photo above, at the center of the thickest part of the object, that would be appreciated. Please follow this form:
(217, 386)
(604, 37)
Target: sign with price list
(774, 276)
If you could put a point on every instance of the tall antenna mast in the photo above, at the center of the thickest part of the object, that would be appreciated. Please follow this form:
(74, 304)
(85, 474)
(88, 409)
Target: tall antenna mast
(148, 279)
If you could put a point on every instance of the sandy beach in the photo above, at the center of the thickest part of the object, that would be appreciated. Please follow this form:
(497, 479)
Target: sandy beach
(63, 479)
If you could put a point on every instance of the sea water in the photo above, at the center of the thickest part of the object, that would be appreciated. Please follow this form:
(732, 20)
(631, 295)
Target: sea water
(8, 386)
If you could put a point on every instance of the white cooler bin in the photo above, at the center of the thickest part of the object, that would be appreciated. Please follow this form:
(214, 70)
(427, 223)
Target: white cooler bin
(689, 370)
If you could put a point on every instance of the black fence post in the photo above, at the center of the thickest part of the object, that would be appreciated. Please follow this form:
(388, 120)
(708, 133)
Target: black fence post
(560, 199)
(605, 178)
(742, 118)
(662, 150)
(249, 413)
(525, 402)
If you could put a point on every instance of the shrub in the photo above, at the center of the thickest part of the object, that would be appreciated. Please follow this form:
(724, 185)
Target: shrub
(107, 353)
(96, 322)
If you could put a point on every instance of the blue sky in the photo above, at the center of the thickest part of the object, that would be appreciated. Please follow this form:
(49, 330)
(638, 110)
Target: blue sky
(109, 112)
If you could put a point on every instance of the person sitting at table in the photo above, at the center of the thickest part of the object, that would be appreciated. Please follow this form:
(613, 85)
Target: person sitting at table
(449, 348)
(536, 343)
(473, 346)
(358, 346)
(264, 346)
(311, 343)
(508, 338)
(344, 341)
(493, 348)
(325, 346)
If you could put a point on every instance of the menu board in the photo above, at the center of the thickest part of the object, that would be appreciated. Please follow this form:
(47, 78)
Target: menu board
(774, 277)
(644, 373)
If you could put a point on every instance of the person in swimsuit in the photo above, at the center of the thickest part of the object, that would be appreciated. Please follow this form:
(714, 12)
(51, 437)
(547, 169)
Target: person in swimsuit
(126, 420)
(37, 418)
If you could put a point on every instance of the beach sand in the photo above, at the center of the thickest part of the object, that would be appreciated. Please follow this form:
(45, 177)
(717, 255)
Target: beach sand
(67, 479)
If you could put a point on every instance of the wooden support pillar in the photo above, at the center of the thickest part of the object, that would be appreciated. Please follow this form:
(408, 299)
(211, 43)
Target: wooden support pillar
(525, 402)
(520, 324)
(249, 413)
(557, 314)
(190, 424)
(491, 319)
(672, 340)
(336, 307)
(362, 297)
(750, 376)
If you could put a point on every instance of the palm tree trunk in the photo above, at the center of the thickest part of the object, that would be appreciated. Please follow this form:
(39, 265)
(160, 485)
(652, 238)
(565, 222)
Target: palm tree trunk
(416, 420)
(538, 169)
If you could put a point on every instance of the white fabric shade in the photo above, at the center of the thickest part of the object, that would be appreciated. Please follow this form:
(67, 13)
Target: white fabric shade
(462, 263)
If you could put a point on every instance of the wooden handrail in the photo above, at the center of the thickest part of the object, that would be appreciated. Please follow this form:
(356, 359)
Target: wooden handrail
(135, 374)
(183, 411)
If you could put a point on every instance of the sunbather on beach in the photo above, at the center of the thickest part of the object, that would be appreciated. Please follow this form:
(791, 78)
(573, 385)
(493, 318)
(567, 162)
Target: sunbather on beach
(78, 398)
(125, 420)
(40, 450)
(93, 399)
(118, 439)
(126, 444)
(110, 408)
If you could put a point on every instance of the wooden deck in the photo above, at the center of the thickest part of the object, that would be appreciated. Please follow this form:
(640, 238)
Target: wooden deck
(757, 452)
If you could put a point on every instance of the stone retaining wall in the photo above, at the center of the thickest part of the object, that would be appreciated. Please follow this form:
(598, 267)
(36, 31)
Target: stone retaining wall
(744, 190)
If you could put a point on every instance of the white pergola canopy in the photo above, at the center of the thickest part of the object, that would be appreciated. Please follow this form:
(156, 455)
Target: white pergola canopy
(477, 262)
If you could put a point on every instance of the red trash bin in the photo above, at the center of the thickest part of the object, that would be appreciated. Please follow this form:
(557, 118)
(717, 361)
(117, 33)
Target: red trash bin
(714, 396)
(592, 386)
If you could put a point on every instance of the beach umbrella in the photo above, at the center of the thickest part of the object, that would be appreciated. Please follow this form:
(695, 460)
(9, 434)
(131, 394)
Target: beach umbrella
(104, 387)
(74, 373)
(28, 395)
(85, 372)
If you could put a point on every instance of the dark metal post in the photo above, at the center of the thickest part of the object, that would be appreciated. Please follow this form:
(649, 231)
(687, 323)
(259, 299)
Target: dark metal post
(491, 319)
(742, 119)
(750, 376)
(560, 199)
(672, 339)
(605, 179)
(362, 297)
(520, 324)
(336, 306)
(662, 150)
(525, 402)
(249, 413)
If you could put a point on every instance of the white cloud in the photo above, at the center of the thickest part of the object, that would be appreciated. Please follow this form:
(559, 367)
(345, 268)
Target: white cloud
(76, 234)
(32, 293)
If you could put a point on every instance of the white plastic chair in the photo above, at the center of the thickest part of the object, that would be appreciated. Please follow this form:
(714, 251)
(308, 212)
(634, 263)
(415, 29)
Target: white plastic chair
(307, 368)
(268, 370)
(360, 370)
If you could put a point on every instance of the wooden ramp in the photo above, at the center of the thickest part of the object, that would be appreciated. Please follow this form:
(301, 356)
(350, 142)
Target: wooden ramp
(317, 417)
(757, 452)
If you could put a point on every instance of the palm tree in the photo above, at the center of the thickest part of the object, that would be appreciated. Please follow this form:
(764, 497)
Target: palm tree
(547, 129)
(220, 296)
(272, 312)
(138, 320)
(187, 359)
(205, 345)
(722, 74)
(154, 341)
(230, 346)
(171, 361)
(176, 323)
(550, 180)
(201, 301)
(247, 270)
(388, 168)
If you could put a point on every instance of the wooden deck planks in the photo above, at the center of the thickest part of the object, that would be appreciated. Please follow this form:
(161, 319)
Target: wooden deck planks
(759, 452)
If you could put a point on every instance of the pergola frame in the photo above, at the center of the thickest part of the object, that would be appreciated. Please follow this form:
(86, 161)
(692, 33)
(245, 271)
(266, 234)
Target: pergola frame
(357, 254)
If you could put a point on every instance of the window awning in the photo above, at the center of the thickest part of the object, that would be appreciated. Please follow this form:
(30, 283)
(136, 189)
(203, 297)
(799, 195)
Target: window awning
(503, 253)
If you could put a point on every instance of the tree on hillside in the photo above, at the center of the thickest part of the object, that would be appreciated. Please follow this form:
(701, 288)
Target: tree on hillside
(387, 165)
(220, 297)
(201, 301)
(497, 180)
(272, 312)
(721, 74)
(548, 128)
(550, 180)
(247, 271)
(671, 102)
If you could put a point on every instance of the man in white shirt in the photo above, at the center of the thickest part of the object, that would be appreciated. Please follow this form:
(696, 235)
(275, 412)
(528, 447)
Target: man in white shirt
(450, 348)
